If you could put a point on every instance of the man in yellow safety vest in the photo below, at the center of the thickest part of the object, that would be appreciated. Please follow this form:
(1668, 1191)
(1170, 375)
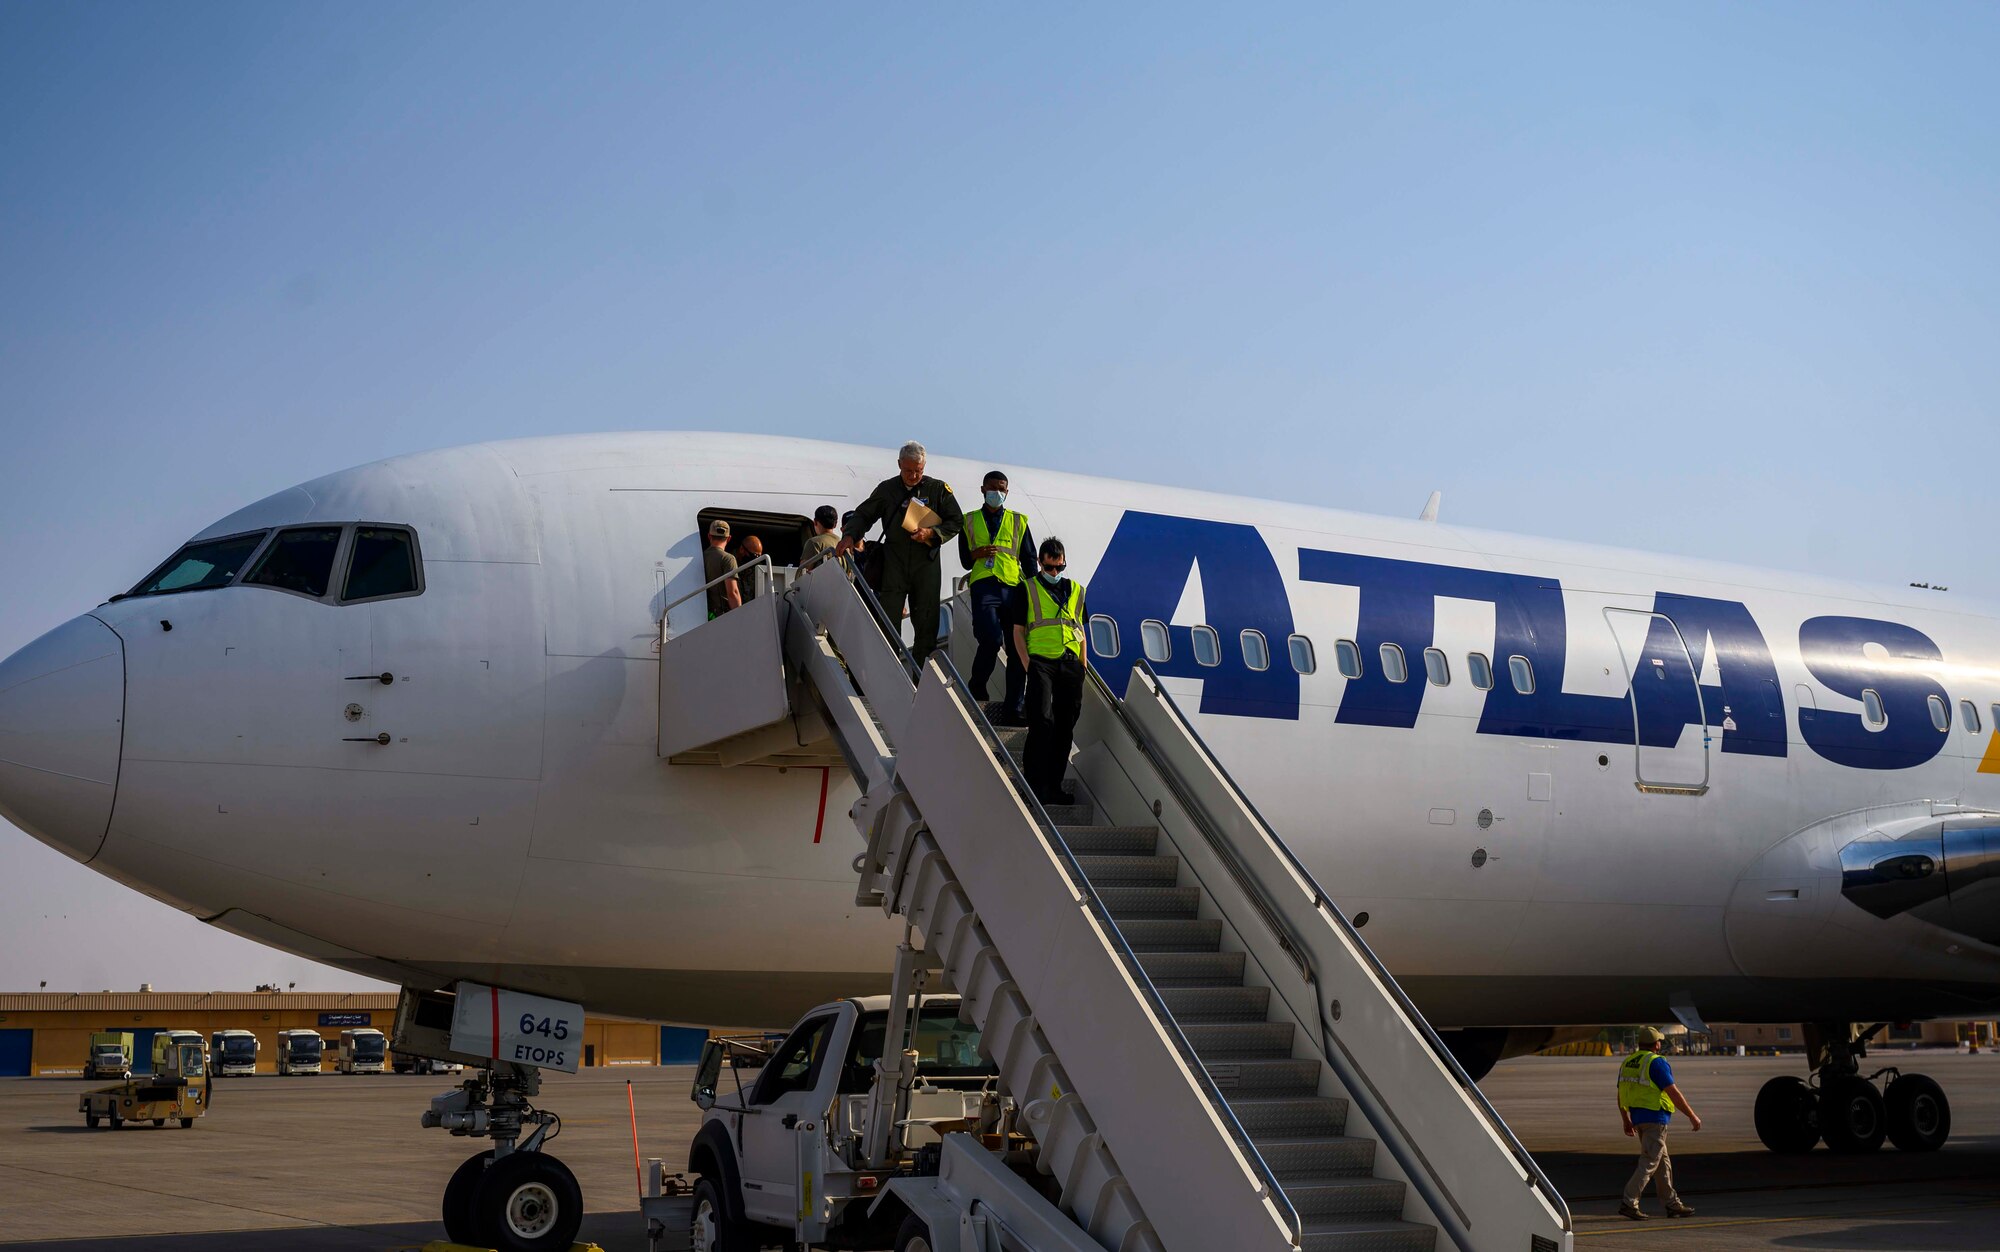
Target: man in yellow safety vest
(995, 547)
(1048, 621)
(1647, 1098)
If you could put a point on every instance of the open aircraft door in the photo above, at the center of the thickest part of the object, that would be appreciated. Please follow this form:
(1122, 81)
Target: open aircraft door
(1670, 723)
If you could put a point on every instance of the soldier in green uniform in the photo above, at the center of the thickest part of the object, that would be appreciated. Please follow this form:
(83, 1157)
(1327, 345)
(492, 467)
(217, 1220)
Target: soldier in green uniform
(911, 570)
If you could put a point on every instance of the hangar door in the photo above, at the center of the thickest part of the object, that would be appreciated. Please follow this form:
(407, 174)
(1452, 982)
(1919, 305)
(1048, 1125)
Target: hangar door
(17, 1050)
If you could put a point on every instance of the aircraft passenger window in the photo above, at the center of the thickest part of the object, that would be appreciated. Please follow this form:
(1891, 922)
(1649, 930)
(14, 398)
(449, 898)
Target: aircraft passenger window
(1394, 667)
(383, 563)
(200, 566)
(1256, 653)
(1940, 715)
(1480, 670)
(1436, 668)
(299, 560)
(1103, 635)
(1207, 646)
(795, 1065)
(1871, 709)
(1968, 712)
(1522, 671)
(1301, 648)
(1155, 640)
(1994, 708)
(1347, 657)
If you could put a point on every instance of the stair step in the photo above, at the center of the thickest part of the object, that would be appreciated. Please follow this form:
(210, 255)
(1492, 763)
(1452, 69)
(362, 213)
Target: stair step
(1238, 1041)
(1173, 935)
(1192, 969)
(1070, 814)
(1127, 902)
(1383, 1236)
(1269, 1076)
(1217, 1004)
(1347, 1199)
(1305, 1158)
(1290, 1117)
(1131, 871)
(1111, 840)
(1011, 735)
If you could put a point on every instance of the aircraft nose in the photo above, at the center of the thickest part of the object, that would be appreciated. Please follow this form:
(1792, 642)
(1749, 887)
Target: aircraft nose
(62, 711)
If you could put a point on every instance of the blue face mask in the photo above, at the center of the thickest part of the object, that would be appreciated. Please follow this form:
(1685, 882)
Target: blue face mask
(1051, 579)
(994, 499)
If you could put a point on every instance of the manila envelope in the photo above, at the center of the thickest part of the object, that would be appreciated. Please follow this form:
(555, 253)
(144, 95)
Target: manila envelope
(917, 516)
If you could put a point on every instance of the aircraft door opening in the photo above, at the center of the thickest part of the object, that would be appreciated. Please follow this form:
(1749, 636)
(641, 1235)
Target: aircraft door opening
(1669, 719)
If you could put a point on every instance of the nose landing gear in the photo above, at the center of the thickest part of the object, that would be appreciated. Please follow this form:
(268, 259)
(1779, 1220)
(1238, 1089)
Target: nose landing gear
(1846, 1109)
(514, 1196)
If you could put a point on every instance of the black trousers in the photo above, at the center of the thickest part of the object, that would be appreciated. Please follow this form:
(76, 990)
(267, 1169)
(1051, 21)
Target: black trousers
(1055, 699)
(910, 575)
(989, 598)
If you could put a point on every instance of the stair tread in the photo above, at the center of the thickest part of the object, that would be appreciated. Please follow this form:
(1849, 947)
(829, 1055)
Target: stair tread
(1172, 934)
(1123, 870)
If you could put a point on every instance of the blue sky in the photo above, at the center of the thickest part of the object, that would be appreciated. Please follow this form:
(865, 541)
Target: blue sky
(1710, 279)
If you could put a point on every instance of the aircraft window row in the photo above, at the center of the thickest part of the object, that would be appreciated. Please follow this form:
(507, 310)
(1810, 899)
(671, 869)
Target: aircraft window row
(1480, 669)
(1872, 711)
(1256, 653)
(1103, 635)
(1968, 712)
(1207, 646)
(1940, 715)
(381, 562)
(1394, 667)
(1436, 668)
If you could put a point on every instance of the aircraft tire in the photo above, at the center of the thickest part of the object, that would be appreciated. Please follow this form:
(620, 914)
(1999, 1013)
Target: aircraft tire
(1919, 1115)
(457, 1207)
(1852, 1116)
(528, 1202)
(914, 1235)
(1787, 1116)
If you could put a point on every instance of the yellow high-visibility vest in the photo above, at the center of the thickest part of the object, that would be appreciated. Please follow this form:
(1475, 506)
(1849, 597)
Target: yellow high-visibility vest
(1005, 564)
(1054, 629)
(1635, 1084)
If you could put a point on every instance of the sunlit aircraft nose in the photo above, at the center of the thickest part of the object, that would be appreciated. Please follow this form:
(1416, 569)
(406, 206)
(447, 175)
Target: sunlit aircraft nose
(62, 708)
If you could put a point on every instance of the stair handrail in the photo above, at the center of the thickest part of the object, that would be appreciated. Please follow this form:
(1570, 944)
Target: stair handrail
(1156, 1003)
(892, 631)
(666, 613)
(1323, 903)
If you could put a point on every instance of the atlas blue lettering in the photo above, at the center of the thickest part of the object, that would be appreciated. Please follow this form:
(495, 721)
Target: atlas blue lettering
(1833, 649)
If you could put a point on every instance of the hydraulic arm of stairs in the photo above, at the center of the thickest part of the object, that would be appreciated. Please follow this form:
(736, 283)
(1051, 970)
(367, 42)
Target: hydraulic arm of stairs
(1209, 1054)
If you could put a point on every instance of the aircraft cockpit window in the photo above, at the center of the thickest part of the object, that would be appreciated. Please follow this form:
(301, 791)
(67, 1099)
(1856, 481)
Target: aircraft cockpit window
(1256, 653)
(1158, 644)
(1480, 669)
(1103, 635)
(1522, 671)
(300, 559)
(1940, 715)
(200, 566)
(1394, 667)
(1872, 712)
(1347, 657)
(1301, 648)
(1207, 645)
(1968, 712)
(383, 563)
(1436, 668)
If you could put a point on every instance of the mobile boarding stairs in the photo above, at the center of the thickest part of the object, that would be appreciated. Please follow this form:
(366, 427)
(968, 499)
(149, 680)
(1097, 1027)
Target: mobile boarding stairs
(1210, 1056)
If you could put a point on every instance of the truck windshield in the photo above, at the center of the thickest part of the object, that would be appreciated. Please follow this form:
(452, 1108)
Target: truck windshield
(946, 1047)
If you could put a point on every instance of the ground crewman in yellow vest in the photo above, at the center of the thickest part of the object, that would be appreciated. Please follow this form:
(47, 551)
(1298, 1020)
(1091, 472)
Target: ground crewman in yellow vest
(1047, 616)
(995, 547)
(1647, 1098)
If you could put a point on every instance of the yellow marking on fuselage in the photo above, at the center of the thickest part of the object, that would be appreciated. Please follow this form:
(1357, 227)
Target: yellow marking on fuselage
(1991, 765)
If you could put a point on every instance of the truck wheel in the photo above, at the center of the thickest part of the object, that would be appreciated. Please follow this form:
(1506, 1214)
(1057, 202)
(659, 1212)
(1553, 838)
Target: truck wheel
(187, 1123)
(913, 1235)
(90, 1120)
(458, 1224)
(527, 1202)
(117, 1122)
(712, 1230)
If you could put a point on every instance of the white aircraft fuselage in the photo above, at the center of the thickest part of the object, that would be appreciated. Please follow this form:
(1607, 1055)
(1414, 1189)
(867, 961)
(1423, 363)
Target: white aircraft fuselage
(1648, 808)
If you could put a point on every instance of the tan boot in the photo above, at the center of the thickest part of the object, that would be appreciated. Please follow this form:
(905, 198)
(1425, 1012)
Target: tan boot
(1632, 1211)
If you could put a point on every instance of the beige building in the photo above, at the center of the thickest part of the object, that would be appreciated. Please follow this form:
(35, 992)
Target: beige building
(48, 1032)
(1758, 1036)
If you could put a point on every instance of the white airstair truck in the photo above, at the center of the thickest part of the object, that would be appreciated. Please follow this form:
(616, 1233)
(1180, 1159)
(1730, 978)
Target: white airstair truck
(1202, 1052)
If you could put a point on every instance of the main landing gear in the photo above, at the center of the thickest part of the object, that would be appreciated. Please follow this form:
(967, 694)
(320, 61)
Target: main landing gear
(1846, 1109)
(514, 1196)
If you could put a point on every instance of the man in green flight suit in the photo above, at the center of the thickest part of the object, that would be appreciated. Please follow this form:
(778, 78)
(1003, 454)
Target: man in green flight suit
(910, 569)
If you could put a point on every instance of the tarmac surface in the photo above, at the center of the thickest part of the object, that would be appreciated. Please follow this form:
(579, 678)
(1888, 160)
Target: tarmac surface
(339, 1164)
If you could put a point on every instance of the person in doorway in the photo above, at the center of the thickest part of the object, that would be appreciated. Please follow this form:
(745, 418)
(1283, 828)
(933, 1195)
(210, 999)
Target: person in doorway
(715, 564)
(910, 566)
(1047, 617)
(1647, 1097)
(747, 552)
(826, 534)
(995, 547)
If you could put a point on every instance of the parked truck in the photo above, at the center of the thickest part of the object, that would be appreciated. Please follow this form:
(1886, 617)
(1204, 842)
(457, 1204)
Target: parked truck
(875, 1123)
(166, 1040)
(232, 1053)
(110, 1055)
(363, 1050)
(300, 1051)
